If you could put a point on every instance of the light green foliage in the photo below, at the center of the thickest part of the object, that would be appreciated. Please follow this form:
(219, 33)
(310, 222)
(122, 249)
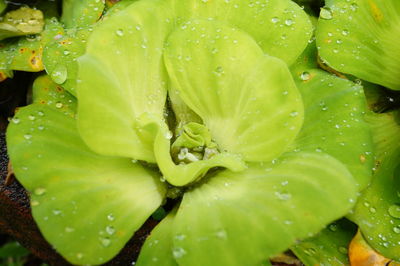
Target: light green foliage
(246, 124)
(264, 207)
(25, 53)
(335, 121)
(3, 6)
(157, 248)
(113, 195)
(191, 100)
(23, 21)
(361, 37)
(60, 57)
(377, 213)
(81, 13)
(328, 247)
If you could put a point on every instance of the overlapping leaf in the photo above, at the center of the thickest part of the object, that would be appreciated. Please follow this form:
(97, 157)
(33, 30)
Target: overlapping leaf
(361, 37)
(113, 195)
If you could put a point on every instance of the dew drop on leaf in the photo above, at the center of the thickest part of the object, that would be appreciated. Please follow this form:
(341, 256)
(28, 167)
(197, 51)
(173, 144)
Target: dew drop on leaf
(110, 230)
(119, 32)
(34, 203)
(178, 252)
(289, 22)
(56, 212)
(275, 20)
(333, 227)
(343, 250)
(394, 211)
(59, 74)
(396, 229)
(305, 76)
(40, 191)
(110, 217)
(105, 241)
(221, 234)
(326, 13)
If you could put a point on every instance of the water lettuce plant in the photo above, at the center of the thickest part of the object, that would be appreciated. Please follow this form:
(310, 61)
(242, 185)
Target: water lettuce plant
(217, 112)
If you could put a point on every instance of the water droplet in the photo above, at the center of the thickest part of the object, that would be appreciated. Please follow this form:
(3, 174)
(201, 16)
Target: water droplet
(15, 120)
(221, 234)
(110, 230)
(396, 229)
(274, 20)
(326, 13)
(59, 74)
(289, 22)
(283, 195)
(105, 241)
(69, 229)
(305, 76)
(27, 136)
(345, 32)
(119, 32)
(343, 250)
(31, 117)
(219, 71)
(354, 7)
(180, 237)
(310, 251)
(66, 52)
(40, 191)
(394, 211)
(178, 252)
(333, 227)
(294, 114)
(34, 203)
(59, 105)
(40, 113)
(110, 217)
(372, 210)
(168, 135)
(56, 212)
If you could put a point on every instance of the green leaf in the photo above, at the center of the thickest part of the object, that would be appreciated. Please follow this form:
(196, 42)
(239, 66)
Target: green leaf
(47, 93)
(60, 55)
(121, 83)
(223, 76)
(3, 6)
(361, 38)
(328, 247)
(386, 133)
(280, 27)
(377, 211)
(19, 22)
(112, 195)
(12, 249)
(334, 119)
(25, 54)
(81, 13)
(158, 246)
(244, 218)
